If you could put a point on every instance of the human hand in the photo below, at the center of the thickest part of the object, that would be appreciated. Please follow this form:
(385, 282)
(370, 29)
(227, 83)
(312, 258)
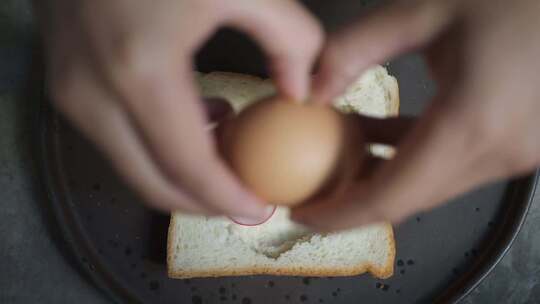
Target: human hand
(121, 71)
(482, 125)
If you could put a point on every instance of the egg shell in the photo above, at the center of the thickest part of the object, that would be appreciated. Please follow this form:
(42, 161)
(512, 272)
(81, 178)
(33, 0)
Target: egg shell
(286, 152)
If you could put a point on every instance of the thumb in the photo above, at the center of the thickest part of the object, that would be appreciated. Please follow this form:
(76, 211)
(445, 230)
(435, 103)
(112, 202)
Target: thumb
(290, 37)
(385, 33)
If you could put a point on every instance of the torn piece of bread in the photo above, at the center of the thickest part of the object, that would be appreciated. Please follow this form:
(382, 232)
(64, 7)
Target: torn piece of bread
(200, 246)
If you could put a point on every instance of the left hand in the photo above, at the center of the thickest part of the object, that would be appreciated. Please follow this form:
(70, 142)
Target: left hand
(122, 72)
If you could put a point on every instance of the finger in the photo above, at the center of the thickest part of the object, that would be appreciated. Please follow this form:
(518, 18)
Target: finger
(100, 118)
(289, 35)
(384, 34)
(433, 164)
(166, 109)
(384, 130)
(334, 190)
(444, 57)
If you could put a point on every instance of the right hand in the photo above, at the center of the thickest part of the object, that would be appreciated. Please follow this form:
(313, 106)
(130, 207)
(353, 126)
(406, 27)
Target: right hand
(121, 71)
(481, 126)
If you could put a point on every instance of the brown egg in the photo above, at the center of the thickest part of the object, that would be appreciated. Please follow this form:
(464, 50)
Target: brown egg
(287, 152)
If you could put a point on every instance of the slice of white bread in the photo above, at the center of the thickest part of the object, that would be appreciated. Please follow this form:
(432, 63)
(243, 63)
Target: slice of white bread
(200, 246)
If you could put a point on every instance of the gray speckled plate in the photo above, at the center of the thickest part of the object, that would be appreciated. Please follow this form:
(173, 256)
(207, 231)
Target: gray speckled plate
(120, 244)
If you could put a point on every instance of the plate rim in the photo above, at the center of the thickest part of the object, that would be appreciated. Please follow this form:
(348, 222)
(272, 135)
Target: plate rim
(88, 264)
(526, 188)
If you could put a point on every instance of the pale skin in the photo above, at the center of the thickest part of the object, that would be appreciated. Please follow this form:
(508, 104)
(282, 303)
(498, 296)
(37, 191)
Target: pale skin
(482, 125)
(114, 66)
(121, 71)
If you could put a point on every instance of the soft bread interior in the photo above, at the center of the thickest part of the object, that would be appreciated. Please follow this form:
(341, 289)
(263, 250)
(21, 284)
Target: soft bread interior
(200, 246)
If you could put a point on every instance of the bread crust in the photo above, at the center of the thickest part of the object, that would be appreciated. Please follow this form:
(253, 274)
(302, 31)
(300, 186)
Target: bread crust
(381, 272)
(394, 99)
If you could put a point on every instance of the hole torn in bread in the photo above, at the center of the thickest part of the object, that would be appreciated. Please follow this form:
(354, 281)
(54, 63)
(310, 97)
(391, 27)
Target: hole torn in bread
(273, 238)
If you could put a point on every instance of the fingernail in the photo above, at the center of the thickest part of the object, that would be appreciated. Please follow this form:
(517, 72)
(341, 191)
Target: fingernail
(253, 207)
(296, 87)
(266, 214)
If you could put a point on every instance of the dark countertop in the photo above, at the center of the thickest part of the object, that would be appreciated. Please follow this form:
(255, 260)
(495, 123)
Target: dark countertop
(33, 266)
